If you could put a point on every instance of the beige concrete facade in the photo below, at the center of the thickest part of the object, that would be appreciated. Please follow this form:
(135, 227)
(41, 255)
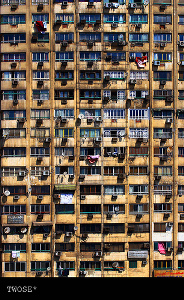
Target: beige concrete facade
(124, 213)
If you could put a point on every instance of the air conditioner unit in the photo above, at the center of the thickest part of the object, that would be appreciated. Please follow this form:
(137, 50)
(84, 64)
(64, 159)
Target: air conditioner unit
(65, 3)
(132, 5)
(91, 3)
(63, 120)
(114, 196)
(64, 140)
(40, 197)
(138, 25)
(58, 253)
(98, 139)
(40, 101)
(114, 25)
(163, 82)
(56, 196)
(14, 82)
(40, 82)
(64, 44)
(22, 173)
(122, 43)
(107, 5)
(98, 253)
(68, 233)
(83, 272)
(71, 176)
(90, 43)
(21, 120)
(81, 176)
(16, 197)
(144, 262)
(156, 63)
(98, 119)
(48, 140)
(121, 155)
(15, 101)
(13, 65)
(107, 77)
(82, 197)
(40, 63)
(39, 273)
(39, 158)
(114, 139)
(109, 153)
(162, 44)
(132, 81)
(181, 43)
(46, 173)
(168, 120)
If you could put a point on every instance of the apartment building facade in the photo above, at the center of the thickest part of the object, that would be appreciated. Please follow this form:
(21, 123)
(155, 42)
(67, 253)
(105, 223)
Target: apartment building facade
(92, 128)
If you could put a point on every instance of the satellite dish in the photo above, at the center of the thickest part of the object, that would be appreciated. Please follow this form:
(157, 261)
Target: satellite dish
(146, 2)
(7, 193)
(48, 269)
(6, 229)
(75, 228)
(115, 264)
(23, 230)
(81, 116)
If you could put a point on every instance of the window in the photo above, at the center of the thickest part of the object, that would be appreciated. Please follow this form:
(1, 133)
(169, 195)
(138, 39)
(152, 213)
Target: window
(90, 228)
(40, 95)
(181, 19)
(13, 57)
(181, 170)
(61, 75)
(9, 247)
(40, 209)
(88, 36)
(91, 56)
(162, 37)
(114, 18)
(40, 190)
(162, 114)
(64, 56)
(64, 94)
(138, 37)
(36, 2)
(138, 170)
(165, 244)
(66, 18)
(162, 264)
(132, 264)
(13, 114)
(64, 113)
(137, 18)
(15, 266)
(40, 114)
(162, 94)
(114, 132)
(10, 2)
(162, 75)
(135, 133)
(138, 208)
(40, 151)
(138, 94)
(38, 171)
(163, 171)
(14, 95)
(114, 114)
(163, 189)
(90, 247)
(15, 190)
(161, 227)
(90, 189)
(12, 171)
(114, 228)
(138, 228)
(43, 38)
(90, 75)
(89, 18)
(114, 37)
(64, 132)
(64, 208)
(113, 171)
(64, 170)
(117, 56)
(94, 265)
(64, 151)
(90, 170)
(59, 37)
(90, 208)
(65, 247)
(14, 133)
(114, 94)
(161, 56)
(138, 114)
(40, 17)
(40, 247)
(13, 75)
(13, 38)
(181, 133)
(142, 75)
(40, 56)
(181, 37)
(40, 75)
(180, 151)
(138, 151)
(114, 208)
(162, 19)
(162, 207)
(40, 265)
(162, 133)
(40, 132)
(90, 151)
(15, 151)
(89, 133)
(14, 209)
(65, 265)
(115, 74)
(114, 190)
(138, 189)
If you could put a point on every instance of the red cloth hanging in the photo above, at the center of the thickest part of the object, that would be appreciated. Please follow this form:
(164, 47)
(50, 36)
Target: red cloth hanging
(40, 26)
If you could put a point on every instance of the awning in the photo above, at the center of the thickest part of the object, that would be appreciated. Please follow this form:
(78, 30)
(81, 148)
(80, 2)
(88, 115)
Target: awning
(49, 223)
(66, 187)
(14, 225)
